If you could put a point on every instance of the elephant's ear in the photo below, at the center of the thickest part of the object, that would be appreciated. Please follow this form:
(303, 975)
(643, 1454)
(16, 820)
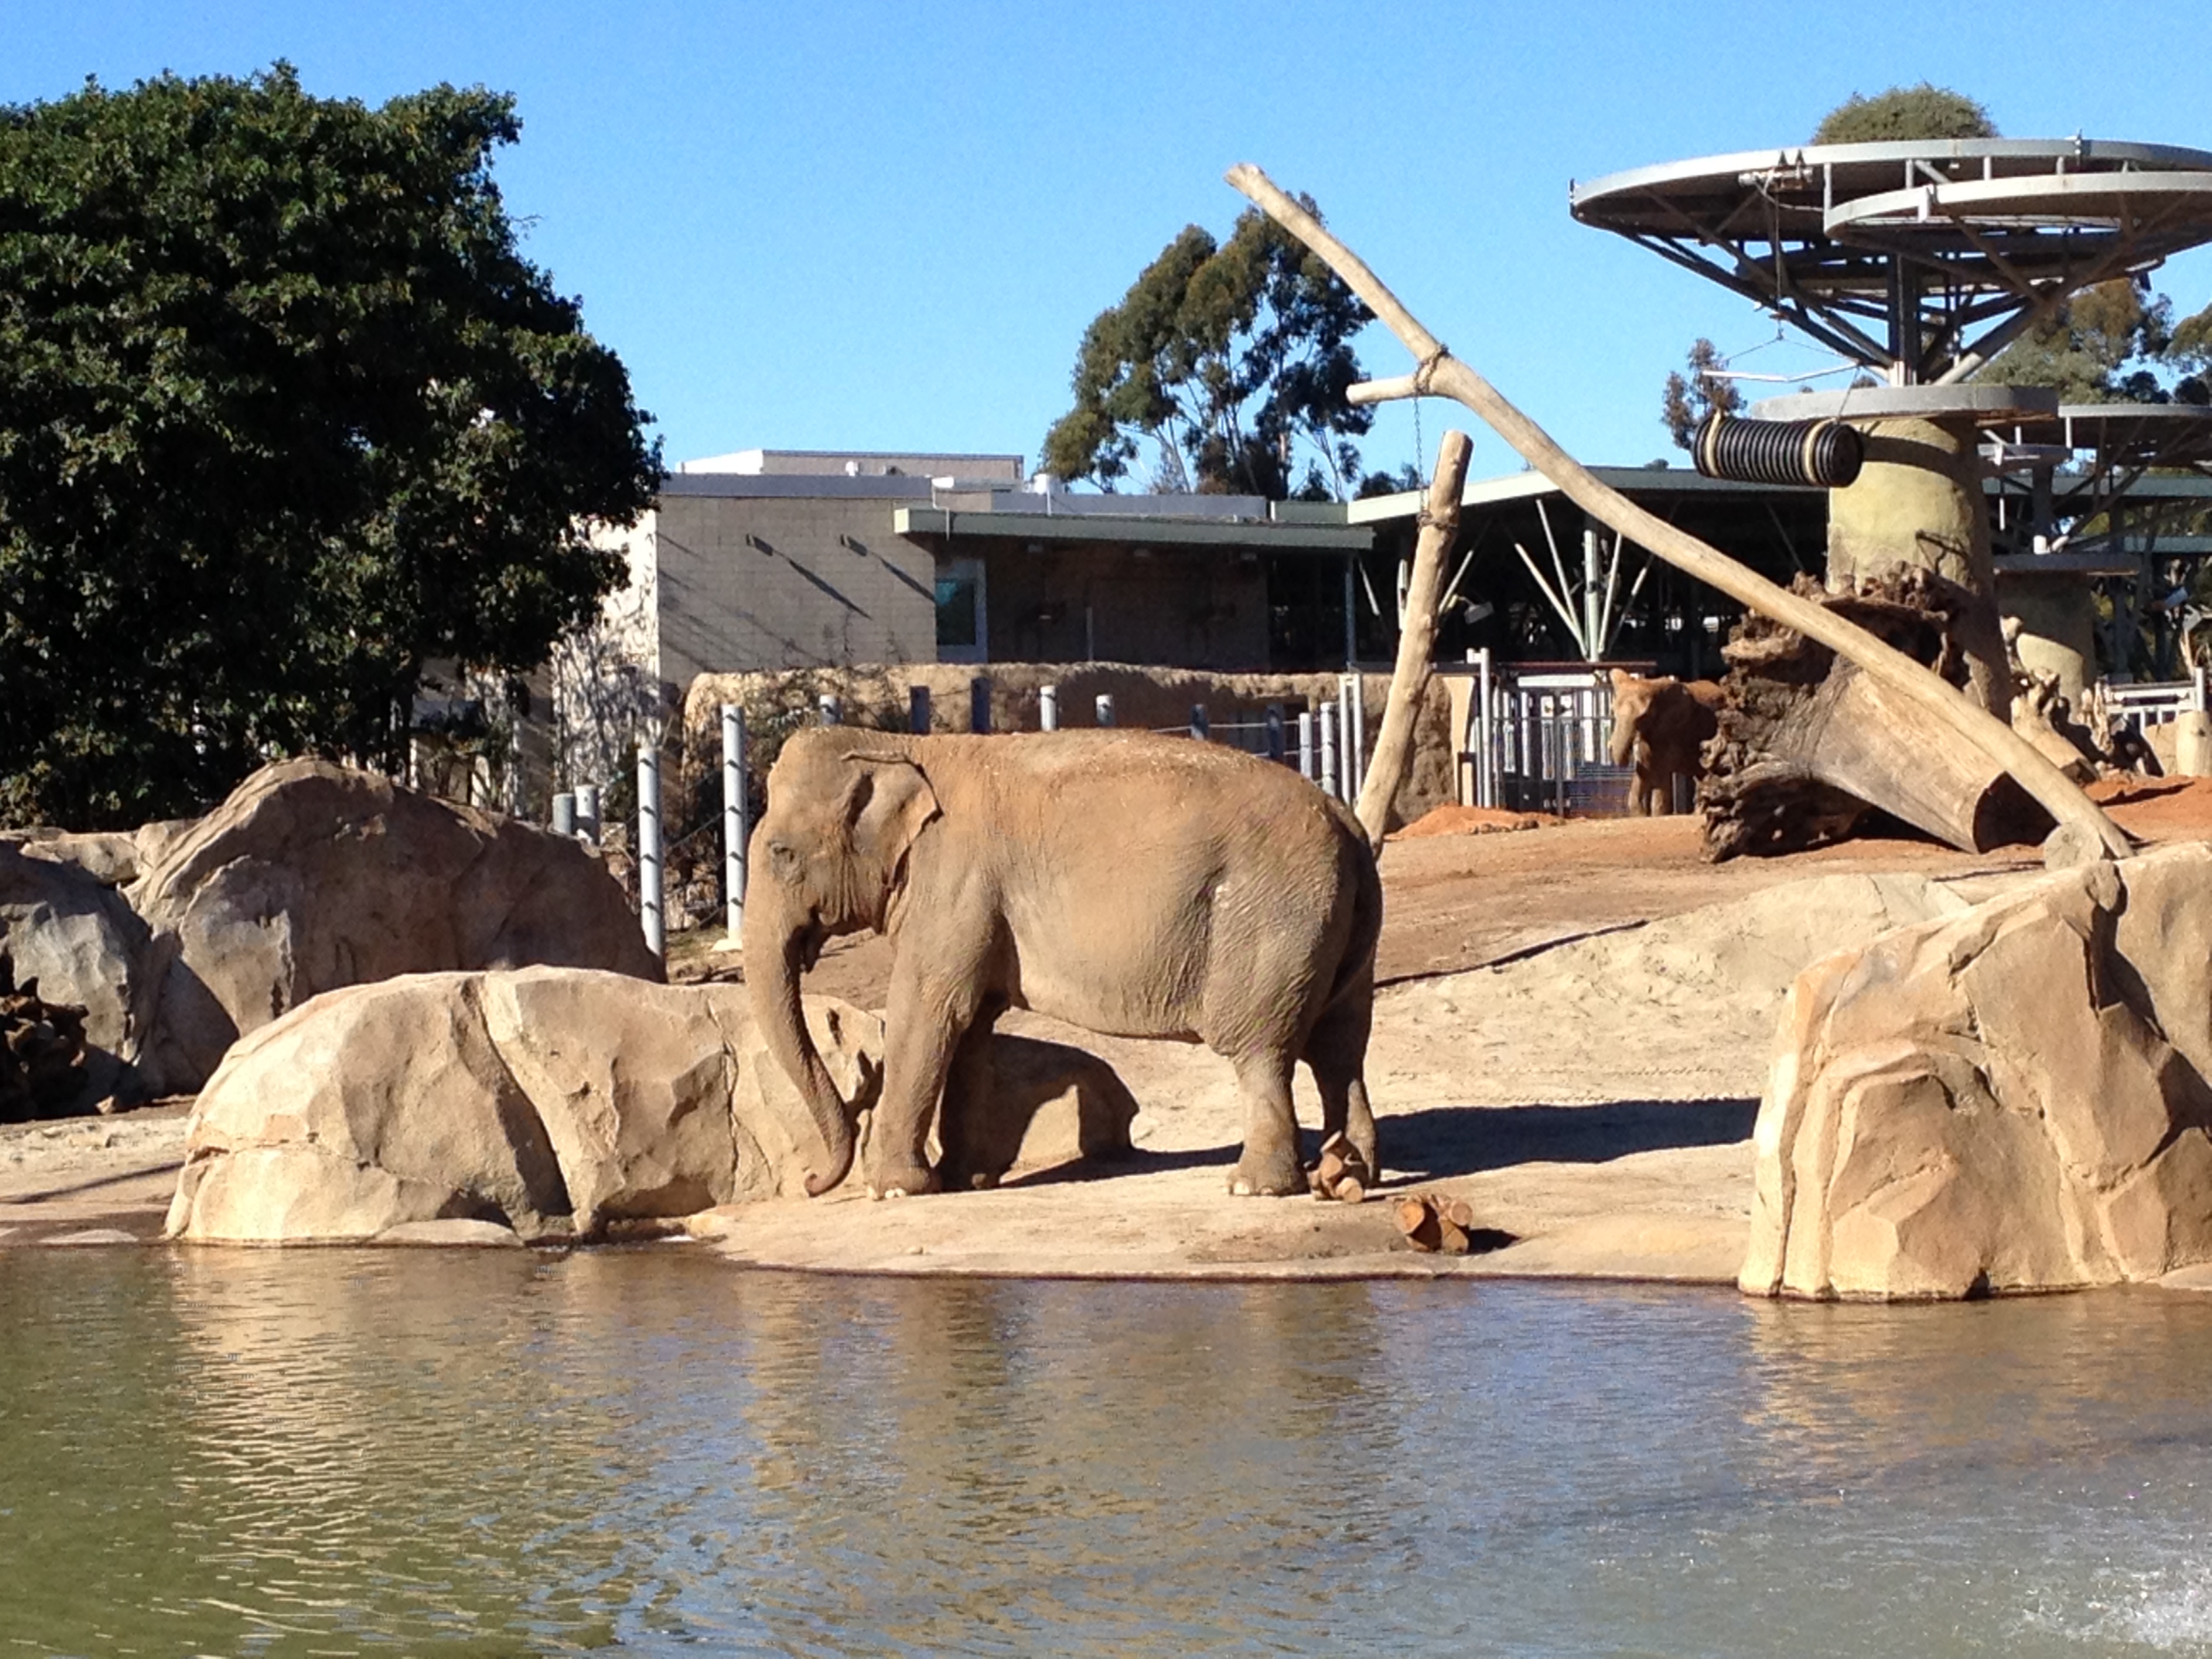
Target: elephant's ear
(888, 805)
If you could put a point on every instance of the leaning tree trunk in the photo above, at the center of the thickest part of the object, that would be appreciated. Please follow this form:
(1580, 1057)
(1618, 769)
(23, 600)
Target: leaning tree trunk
(1955, 721)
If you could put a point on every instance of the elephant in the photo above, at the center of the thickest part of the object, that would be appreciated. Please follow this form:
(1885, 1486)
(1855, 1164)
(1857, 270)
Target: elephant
(1130, 883)
(1661, 726)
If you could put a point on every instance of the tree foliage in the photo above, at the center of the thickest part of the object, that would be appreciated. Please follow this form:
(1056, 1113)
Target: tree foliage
(1904, 112)
(1686, 399)
(1225, 358)
(2113, 343)
(284, 414)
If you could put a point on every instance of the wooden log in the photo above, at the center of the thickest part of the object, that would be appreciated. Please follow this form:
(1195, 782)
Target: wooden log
(1808, 745)
(1418, 1221)
(1417, 638)
(1952, 714)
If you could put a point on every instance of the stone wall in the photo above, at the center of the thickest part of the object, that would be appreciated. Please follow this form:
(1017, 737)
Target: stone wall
(775, 703)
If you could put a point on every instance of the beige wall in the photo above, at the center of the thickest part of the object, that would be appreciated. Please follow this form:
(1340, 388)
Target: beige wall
(807, 598)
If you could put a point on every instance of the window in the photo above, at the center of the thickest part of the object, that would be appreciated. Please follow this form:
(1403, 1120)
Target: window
(962, 634)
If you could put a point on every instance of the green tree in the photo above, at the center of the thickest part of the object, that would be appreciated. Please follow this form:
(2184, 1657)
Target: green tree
(1904, 112)
(1686, 399)
(284, 414)
(1225, 358)
(2112, 344)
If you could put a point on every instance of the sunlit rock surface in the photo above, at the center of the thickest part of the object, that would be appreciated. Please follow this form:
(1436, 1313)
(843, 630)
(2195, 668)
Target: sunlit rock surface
(2012, 1099)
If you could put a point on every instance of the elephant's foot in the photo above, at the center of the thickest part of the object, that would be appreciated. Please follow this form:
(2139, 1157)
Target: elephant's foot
(1262, 1175)
(902, 1181)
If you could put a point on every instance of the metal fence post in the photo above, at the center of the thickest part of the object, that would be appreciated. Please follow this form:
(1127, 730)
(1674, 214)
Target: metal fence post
(734, 813)
(917, 710)
(833, 709)
(1049, 708)
(1275, 732)
(1200, 727)
(1306, 744)
(564, 812)
(1486, 768)
(650, 897)
(1104, 711)
(1329, 780)
(587, 812)
(979, 703)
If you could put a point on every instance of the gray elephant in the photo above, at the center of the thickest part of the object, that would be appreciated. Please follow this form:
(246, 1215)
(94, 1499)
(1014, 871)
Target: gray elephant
(1128, 884)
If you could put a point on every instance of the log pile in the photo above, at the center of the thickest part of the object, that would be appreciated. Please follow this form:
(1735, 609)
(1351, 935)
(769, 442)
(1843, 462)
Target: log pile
(1810, 746)
(41, 1050)
(1342, 1173)
(1436, 1222)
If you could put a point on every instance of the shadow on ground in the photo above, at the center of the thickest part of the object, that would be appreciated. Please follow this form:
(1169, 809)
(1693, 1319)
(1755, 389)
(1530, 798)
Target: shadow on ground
(1444, 1142)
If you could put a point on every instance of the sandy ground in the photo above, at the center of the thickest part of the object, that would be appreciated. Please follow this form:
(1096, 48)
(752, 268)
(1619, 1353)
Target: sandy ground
(1567, 1034)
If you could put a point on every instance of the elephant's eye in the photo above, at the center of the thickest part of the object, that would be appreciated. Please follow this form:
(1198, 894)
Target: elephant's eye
(783, 857)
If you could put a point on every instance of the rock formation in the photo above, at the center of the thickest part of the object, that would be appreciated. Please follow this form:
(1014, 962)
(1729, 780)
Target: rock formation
(557, 1103)
(78, 939)
(313, 876)
(2011, 1099)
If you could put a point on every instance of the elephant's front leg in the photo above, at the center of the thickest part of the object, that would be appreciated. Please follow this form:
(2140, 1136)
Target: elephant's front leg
(928, 1014)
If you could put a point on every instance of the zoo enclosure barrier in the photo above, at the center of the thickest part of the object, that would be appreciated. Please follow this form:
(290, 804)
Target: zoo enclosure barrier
(1538, 736)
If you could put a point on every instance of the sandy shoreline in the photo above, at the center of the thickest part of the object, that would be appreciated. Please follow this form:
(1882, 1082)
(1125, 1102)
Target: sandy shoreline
(1568, 1034)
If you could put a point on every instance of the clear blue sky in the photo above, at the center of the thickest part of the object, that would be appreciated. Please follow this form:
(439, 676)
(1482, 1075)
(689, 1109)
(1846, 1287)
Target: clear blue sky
(885, 227)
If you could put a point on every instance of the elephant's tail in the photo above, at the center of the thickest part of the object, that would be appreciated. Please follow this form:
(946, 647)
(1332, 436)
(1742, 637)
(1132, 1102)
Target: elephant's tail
(1355, 968)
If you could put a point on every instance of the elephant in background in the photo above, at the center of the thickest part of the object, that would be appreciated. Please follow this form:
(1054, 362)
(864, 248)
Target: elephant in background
(1661, 727)
(1132, 884)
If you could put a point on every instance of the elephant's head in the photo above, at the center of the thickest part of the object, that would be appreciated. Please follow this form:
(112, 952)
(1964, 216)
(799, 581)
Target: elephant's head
(829, 857)
(1632, 696)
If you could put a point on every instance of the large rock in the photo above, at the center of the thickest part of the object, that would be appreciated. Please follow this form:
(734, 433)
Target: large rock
(313, 876)
(552, 1101)
(2012, 1099)
(80, 941)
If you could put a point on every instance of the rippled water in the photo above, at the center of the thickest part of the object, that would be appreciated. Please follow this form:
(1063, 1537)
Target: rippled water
(243, 1453)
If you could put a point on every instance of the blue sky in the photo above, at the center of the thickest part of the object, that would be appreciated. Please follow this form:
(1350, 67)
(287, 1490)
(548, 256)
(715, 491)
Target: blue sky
(885, 227)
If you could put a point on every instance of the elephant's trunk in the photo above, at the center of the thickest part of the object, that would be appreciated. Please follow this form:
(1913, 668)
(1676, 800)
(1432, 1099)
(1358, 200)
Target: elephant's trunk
(772, 980)
(1624, 740)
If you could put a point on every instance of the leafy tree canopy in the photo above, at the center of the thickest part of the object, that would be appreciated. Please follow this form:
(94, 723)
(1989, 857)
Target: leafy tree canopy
(2113, 343)
(1904, 112)
(1225, 359)
(284, 414)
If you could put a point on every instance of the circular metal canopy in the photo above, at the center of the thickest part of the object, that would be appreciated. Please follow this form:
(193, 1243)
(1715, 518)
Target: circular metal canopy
(1980, 403)
(1920, 259)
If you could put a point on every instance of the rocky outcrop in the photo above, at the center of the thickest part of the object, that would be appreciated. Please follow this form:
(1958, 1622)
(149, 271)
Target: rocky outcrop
(313, 876)
(2012, 1099)
(80, 942)
(554, 1101)
(560, 1103)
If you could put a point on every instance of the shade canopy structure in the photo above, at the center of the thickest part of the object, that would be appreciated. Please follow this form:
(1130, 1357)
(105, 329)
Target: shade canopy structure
(1918, 259)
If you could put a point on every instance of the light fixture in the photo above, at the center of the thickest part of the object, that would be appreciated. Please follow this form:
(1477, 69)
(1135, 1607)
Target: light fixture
(756, 543)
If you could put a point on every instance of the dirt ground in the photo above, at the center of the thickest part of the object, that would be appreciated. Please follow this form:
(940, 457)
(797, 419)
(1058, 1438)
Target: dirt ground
(1568, 1034)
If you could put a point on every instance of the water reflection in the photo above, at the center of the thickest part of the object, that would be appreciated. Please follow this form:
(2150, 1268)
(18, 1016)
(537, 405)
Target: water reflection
(311, 1452)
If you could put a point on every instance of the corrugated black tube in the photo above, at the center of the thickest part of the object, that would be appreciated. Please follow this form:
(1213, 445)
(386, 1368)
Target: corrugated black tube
(1825, 454)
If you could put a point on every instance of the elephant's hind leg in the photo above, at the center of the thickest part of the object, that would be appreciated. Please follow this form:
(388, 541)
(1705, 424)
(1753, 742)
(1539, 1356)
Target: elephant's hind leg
(1337, 1055)
(1269, 1166)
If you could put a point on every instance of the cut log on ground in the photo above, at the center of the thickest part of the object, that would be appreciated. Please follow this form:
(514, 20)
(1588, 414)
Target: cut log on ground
(1808, 745)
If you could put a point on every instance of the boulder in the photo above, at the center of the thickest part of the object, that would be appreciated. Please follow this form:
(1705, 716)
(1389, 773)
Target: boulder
(2011, 1099)
(1025, 1104)
(81, 943)
(313, 876)
(553, 1102)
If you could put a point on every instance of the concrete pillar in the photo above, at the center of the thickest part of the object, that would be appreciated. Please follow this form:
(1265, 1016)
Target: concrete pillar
(1918, 503)
(564, 812)
(1049, 708)
(1103, 711)
(2057, 627)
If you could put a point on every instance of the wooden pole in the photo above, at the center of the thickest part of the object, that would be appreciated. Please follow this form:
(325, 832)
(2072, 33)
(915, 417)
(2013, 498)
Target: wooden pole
(1439, 372)
(1417, 638)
